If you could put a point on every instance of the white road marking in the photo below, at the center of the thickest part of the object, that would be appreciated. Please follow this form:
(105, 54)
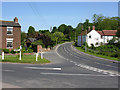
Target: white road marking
(43, 68)
(69, 74)
(88, 67)
(8, 70)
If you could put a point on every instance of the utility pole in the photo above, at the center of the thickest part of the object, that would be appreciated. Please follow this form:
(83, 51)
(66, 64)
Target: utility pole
(86, 42)
(75, 36)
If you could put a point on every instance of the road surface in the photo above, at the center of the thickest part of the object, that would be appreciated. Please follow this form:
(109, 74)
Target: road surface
(69, 69)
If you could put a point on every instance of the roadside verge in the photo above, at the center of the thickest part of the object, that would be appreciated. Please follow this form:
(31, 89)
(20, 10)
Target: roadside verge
(80, 52)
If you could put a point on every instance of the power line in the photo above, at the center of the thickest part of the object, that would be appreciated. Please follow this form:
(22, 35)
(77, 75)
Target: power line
(36, 12)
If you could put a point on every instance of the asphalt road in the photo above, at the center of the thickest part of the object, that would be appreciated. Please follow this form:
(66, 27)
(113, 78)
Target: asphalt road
(68, 69)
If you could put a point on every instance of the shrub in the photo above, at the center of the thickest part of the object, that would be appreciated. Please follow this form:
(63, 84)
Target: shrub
(92, 47)
(6, 50)
(0, 51)
(12, 51)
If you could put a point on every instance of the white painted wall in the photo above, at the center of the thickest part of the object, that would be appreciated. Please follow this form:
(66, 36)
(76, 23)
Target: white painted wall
(107, 39)
(95, 38)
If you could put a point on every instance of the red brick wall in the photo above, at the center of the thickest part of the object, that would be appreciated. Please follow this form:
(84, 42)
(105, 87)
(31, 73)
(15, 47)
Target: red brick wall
(16, 37)
(4, 35)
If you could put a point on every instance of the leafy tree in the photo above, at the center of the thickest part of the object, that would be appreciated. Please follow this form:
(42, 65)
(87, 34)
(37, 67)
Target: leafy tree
(118, 32)
(63, 28)
(23, 38)
(43, 31)
(54, 29)
(97, 19)
(86, 24)
(58, 37)
(45, 40)
(31, 32)
(38, 42)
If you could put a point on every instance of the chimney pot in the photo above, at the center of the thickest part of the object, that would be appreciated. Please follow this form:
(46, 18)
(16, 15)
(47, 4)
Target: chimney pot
(89, 28)
(16, 20)
(93, 27)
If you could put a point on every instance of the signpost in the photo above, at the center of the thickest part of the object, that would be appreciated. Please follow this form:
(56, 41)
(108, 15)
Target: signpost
(20, 51)
(39, 50)
(2, 55)
(36, 56)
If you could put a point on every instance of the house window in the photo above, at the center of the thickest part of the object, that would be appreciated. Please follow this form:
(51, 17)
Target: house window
(9, 30)
(10, 43)
(90, 36)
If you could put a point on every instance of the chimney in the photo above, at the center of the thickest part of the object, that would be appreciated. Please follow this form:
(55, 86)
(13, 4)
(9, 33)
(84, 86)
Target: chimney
(16, 20)
(93, 28)
(88, 28)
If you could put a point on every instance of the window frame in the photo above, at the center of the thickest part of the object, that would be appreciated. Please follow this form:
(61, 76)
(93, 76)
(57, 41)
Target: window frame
(9, 40)
(11, 30)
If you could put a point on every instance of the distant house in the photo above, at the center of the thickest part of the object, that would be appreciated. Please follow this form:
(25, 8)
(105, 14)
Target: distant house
(96, 37)
(10, 34)
(29, 41)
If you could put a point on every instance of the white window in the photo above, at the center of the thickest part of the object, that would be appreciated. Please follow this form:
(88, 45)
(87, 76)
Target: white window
(9, 30)
(9, 42)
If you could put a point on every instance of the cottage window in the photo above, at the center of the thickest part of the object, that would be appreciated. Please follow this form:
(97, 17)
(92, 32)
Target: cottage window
(9, 30)
(9, 43)
(90, 36)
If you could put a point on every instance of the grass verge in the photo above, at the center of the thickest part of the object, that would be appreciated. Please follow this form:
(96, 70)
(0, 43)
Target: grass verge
(98, 55)
(25, 59)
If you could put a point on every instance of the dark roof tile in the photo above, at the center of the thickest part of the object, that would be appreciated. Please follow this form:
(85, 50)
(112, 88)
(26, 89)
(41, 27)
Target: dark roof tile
(9, 23)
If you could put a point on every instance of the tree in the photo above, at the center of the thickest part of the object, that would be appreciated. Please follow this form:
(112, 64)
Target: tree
(54, 29)
(23, 38)
(43, 31)
(45, 40)
(63, 28)
(86, 24)
(31, 32)
(58, 37)
(97, 19)
(118, 32)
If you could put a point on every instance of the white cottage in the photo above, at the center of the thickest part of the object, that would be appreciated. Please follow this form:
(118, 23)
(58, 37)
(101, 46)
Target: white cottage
(96, 37)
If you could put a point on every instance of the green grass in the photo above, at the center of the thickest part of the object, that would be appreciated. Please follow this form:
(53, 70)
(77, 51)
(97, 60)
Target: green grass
(98, 55)
(25, 59)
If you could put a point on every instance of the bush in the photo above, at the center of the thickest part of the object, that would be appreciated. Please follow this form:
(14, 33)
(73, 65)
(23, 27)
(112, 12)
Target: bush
(0, 51)
(12, 51)
(6, 50)
(93, 47)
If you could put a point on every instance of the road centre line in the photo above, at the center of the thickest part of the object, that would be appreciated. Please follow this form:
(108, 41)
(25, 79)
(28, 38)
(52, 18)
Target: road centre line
(8, 70)
(69, 74)
(43, 68)
(94, 62)
(89, 67)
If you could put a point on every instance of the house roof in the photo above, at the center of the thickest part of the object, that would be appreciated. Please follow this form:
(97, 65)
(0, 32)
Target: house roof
(84, 32)
(107, 32)
(31, 39)
(100, 32)
(9, 23)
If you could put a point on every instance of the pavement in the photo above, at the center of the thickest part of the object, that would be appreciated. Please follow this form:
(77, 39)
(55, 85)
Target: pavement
(68, 69)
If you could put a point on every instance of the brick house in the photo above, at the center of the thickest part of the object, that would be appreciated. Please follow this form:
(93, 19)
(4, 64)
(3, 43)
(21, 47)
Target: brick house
(10, 34)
